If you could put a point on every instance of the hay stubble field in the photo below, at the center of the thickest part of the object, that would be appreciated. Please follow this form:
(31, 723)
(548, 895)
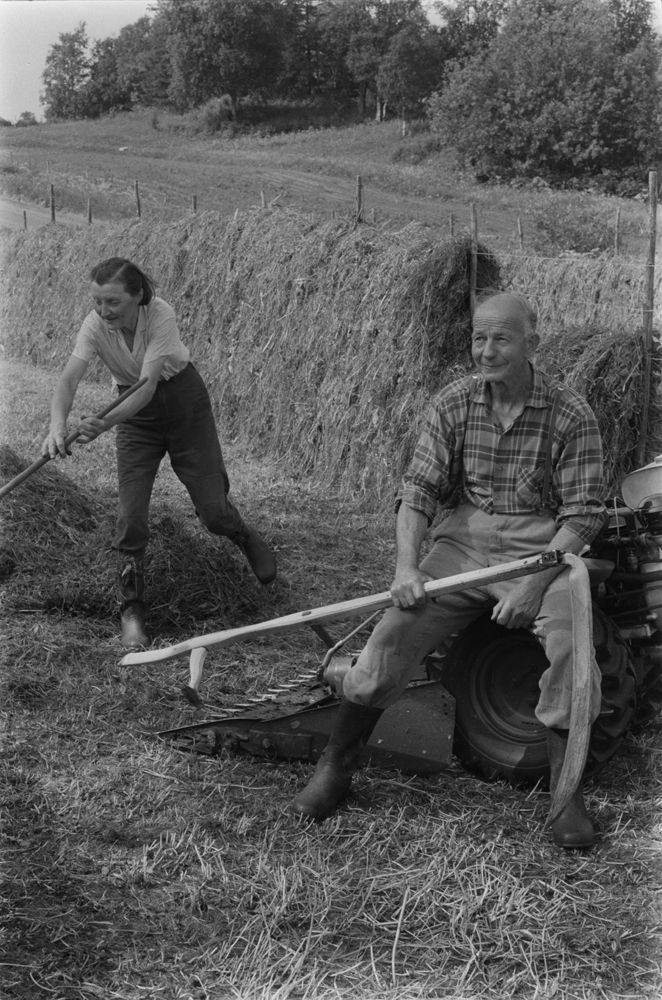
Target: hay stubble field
(133, 870)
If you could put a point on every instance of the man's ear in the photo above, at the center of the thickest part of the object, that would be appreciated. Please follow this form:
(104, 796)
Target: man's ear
(532, 344)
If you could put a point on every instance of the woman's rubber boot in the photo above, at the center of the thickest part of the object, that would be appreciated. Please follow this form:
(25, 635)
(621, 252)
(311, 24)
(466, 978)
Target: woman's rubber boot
(131, 591)
(572, 829)
(332, 777)
(260, 557)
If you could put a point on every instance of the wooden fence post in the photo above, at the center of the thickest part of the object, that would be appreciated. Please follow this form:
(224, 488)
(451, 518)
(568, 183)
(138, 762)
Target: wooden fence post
(473, 270)
(451, 224)
(520, 233)
(647, 332)
(138, 209)
(89, 211)
(52, 204)
(617, 232)
(195, 203)
(25, 219)
(359, 199)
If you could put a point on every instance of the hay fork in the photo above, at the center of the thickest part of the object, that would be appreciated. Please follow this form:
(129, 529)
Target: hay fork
(70, 438)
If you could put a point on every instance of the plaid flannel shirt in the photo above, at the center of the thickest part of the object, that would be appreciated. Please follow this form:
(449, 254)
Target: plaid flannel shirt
(463, 454)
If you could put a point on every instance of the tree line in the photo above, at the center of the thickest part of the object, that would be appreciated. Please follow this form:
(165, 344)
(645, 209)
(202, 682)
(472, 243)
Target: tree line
(563, 89)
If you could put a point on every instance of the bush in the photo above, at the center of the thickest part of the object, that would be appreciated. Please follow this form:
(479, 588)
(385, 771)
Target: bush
(561, 226)
(511, 112)
(416, 148)
(216, 115)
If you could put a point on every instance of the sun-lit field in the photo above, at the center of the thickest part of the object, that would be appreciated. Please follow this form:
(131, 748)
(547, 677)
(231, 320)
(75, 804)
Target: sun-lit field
(134, 870)
(96, 165)
(137, 871)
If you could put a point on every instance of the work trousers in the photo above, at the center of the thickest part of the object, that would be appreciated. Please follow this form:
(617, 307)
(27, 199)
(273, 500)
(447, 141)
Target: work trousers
(470, 539)
(177, 421)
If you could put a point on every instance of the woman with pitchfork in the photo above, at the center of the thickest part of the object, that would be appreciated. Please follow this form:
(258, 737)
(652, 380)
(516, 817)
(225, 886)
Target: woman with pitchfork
(135, 335)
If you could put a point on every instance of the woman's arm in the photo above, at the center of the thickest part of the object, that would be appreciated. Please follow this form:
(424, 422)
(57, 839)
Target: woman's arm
(90, 427)
(61, 403)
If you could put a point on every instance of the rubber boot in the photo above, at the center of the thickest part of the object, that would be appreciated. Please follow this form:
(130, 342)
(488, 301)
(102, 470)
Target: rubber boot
(260, 557)
(332, 776)
(572, 829)
(131, 592)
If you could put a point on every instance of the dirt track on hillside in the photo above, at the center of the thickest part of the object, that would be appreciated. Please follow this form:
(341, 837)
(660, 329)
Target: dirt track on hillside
(22, 214)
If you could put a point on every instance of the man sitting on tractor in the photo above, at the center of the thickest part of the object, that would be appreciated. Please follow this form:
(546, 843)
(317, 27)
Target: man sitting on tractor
(518, 459)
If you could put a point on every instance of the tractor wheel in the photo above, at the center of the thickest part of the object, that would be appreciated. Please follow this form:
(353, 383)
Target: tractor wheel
(649, 689)
(493, 674)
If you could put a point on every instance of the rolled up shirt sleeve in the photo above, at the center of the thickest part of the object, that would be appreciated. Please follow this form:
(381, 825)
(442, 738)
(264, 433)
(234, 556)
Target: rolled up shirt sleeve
(579, 480)
(428, 479)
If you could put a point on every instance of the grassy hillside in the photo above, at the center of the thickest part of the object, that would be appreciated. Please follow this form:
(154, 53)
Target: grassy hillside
(134, 870)
(404, 179)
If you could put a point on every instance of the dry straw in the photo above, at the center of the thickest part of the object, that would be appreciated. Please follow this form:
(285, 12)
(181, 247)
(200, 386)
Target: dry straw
(56, 555)
(322, 341)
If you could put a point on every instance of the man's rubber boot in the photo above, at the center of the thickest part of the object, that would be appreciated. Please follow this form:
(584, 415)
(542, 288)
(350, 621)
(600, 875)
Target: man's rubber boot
(260, 557)
(572, 829)
(332, 776)
(132, 624)
(131, 591)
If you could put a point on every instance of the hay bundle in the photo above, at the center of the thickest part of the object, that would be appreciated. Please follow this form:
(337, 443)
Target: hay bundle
(56, 555)
(574, 291)
(321, 342)
(44, 507)
(606, 367)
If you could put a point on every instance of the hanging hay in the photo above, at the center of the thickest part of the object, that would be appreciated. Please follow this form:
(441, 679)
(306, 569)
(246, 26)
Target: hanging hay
(320, 341)
(606, 367)
(574, 291)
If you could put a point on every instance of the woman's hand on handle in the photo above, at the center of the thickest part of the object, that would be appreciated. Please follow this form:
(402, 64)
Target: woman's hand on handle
(54, 443)
(90, 428)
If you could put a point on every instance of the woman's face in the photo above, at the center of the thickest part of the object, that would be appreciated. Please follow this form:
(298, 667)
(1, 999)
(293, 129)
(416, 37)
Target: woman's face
(115, 305)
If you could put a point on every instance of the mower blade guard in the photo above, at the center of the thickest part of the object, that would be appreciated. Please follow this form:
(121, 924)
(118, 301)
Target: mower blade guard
(414, 735)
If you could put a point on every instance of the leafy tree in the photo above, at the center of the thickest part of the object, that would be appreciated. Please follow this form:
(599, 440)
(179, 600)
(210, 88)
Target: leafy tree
(104, 91)
(470, 26)
(65, 76)
(555, 96)
(411, 68)
(300, 72)
(223, 46)
(633, 22)
(26, 118)
(344, 25)
(143, 61)
(373, 31)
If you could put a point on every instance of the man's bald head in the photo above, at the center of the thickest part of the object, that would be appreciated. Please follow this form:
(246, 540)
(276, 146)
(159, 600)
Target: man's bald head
(507, 310)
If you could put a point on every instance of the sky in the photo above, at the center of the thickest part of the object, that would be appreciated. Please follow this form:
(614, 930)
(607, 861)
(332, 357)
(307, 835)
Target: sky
(28, 29)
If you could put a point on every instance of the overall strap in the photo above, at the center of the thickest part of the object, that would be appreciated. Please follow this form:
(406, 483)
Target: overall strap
(458, 458)
(546, 495)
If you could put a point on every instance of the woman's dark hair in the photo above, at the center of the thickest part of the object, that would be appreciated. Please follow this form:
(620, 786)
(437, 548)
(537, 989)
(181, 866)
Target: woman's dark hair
(128, 273)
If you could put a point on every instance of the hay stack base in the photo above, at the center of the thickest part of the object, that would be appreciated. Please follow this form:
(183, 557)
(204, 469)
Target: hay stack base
(322, 342)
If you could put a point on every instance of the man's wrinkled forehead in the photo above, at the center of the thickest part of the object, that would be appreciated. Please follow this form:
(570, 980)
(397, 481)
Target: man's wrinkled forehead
(503, 312)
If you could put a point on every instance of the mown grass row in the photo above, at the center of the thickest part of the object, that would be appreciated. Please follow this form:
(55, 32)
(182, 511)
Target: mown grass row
(133, 870)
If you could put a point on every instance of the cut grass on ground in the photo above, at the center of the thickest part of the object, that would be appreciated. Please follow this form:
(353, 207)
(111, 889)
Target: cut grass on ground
(135, 871)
